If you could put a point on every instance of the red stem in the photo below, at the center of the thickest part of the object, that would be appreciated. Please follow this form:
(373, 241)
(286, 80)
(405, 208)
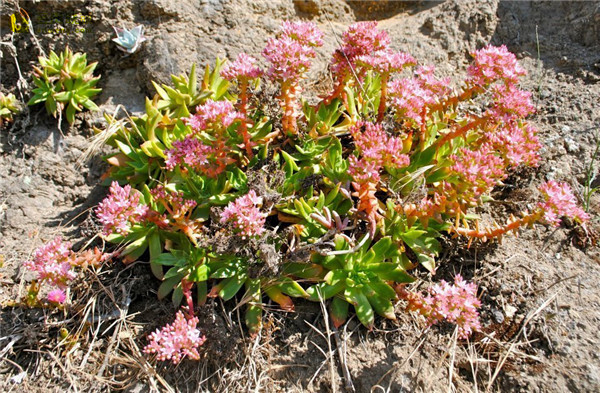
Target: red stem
(460, 131)
(381, 110)
(288, 121)
(242, 109)
(498, 232)
(186, 286)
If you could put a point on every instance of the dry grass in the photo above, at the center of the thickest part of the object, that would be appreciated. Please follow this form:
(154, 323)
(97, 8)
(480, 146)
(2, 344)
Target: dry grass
(103, 348)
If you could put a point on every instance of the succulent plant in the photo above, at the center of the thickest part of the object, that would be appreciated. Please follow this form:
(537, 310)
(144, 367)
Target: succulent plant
(362, 278)
(338, 201)
(129, 40)
(177, 101)
(9, 105)
(65, 82)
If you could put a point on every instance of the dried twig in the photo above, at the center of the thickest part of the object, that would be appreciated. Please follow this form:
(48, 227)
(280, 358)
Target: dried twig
(341, 347)
(528, 319)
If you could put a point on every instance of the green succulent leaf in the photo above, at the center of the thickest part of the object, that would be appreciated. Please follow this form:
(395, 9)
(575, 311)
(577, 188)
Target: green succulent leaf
(361, 304)
(154, 245)
(65, 78)
(231, 286)
(339, 311)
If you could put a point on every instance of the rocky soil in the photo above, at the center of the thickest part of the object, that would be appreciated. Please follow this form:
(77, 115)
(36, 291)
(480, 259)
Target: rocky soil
(541, 300)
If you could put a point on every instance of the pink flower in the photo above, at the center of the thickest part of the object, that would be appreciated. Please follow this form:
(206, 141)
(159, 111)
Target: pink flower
(213, 114)
(456, 303)
(245, 215)
(511, 102)
(478, 171)
(290, 54)
(306, 34)
(411, 96)
(409, 99)
(362, 38)
(493, 64)
(242, 68)
(386, 61)
(57, 296)
(190, 151)
(377, 150)
(177, 205)
(362, 170)
(120, 209)
(437, 88)
(52, 262)
(516, 144)
(560, 201)
(375, 145)
(177, 340)
(289, 59)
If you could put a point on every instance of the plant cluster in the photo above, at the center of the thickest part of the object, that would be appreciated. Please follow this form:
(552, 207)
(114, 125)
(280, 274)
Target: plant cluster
(338, 200)
(456, 303)
(9, 106)
(129, 41)
(65, 83)
(56, 264)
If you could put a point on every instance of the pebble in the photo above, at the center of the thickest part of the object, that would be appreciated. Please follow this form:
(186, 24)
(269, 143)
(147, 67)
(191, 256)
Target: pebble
(510, 311)
(545, 94)
(17, 379)
(571, 145)
(497, 316)
(593, 374)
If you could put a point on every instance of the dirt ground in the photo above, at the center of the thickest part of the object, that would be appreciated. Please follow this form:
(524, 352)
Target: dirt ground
(540, 293)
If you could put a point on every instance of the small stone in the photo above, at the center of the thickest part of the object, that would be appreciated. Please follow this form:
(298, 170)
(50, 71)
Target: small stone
(565, 128)
(17, 379)
(571, 145)
(497, 316)
(564, 350)
(593, 373)
(510, 311)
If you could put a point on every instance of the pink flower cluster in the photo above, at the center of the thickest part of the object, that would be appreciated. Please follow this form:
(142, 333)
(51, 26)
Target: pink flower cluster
(560, 201)
(213, 114)
(242, 68)
(377, 150)
(410, 96)
(493, 64)
(306, 34)
(478, 171)
(174, 202)
(435, 88)
(52, 262)
(516, 144)
(245, 215)
(456, 303)
(361, 39)
(120, 209)
(510, 102)
(177, 340)
(386, 61)
(57, 296)
(363, 171)
(190, 151)
(291, 52)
